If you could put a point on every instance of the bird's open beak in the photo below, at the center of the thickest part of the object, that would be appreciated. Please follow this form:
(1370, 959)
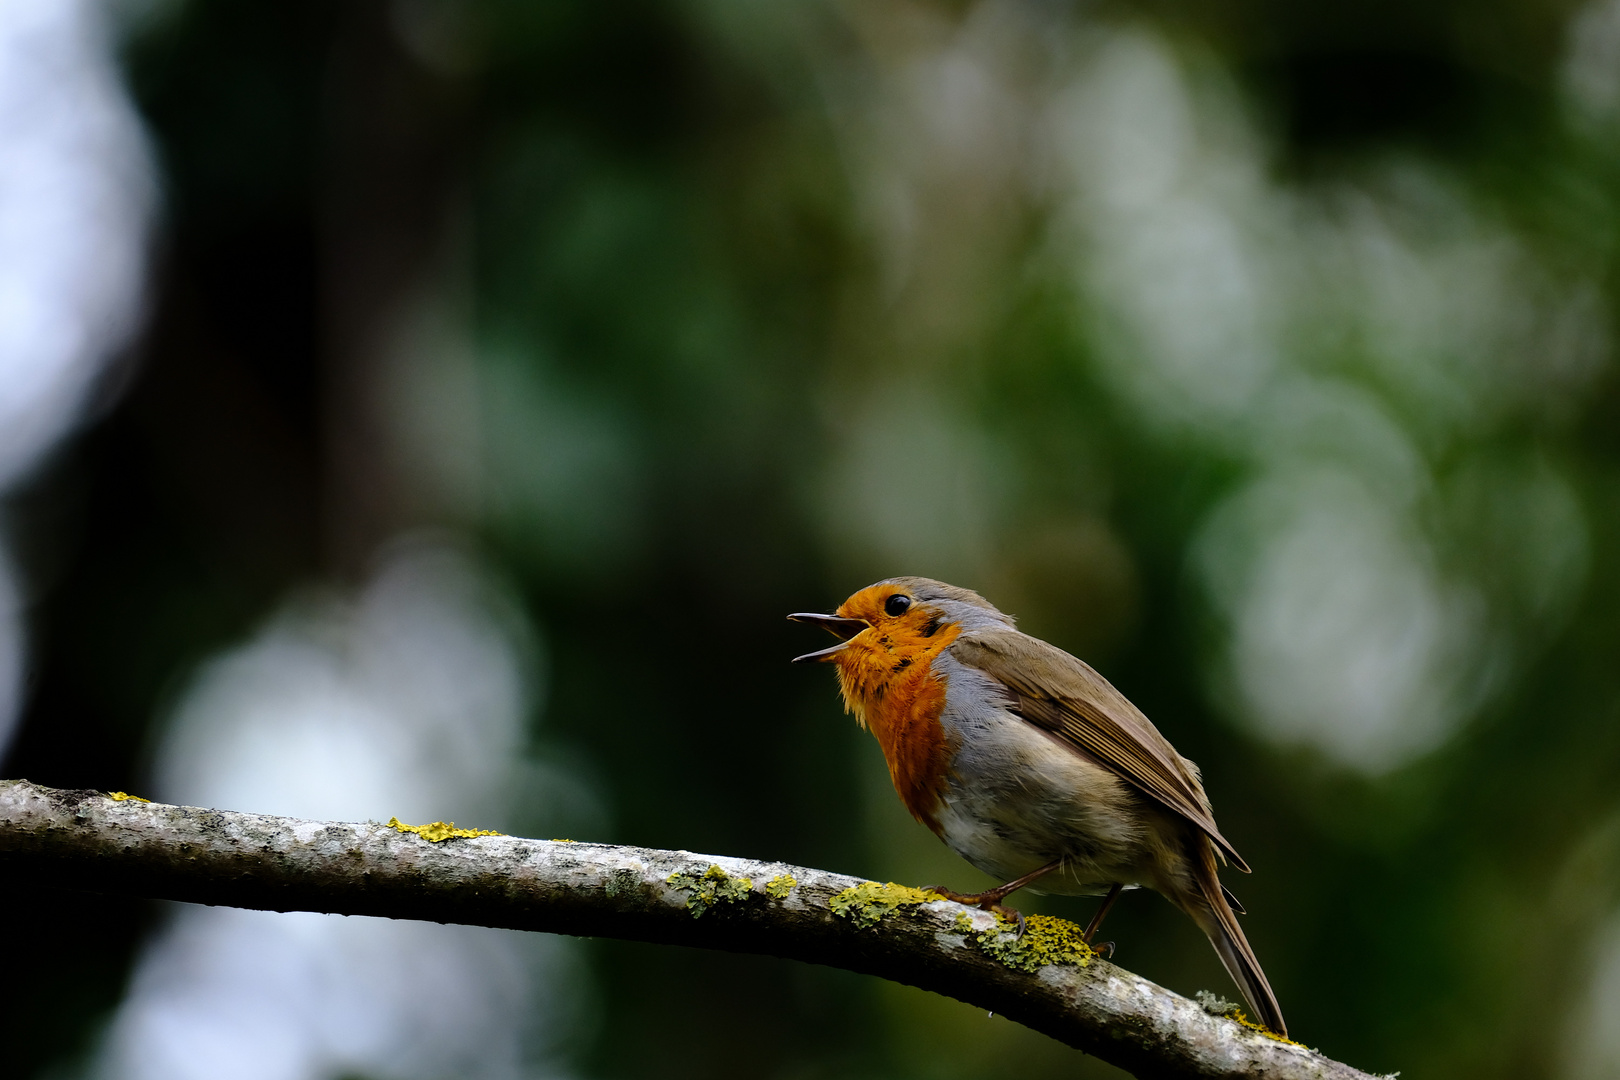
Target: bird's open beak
(833, 624)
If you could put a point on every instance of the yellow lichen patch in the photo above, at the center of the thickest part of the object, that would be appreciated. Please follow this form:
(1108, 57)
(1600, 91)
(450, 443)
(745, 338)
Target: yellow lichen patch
(1045, 941)
(1219, 1006)
(964, 923)
(1237, 1014)
(124, 796)
(779, 886)
(561, 840)
(713, 886)
(867, 903)
(438, 832)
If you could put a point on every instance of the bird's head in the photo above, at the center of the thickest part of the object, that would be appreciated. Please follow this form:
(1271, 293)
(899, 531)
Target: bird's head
(901, 611)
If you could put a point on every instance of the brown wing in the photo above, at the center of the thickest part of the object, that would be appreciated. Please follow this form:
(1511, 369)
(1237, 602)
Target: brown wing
(1063, 695)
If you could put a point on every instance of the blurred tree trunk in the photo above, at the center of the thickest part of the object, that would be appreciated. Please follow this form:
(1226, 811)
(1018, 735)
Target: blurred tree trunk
(387, 223)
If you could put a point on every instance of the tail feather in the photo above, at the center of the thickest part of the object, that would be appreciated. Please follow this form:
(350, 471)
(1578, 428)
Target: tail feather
(1217, 920)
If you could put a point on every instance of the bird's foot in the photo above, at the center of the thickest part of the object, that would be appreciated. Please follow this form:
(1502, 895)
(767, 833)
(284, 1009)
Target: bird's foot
(989, 900)
(1096, 922)
(1105, 949)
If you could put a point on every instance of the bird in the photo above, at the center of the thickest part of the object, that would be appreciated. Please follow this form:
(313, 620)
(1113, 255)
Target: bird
(1030, 765)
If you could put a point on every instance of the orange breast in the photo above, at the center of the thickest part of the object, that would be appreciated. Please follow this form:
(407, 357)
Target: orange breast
(889, 683)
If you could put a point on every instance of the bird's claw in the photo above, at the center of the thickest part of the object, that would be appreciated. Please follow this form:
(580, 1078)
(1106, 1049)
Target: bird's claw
(1010, 914)
(985, 901)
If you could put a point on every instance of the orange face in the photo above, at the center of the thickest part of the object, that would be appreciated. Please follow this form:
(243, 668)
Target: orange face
(887, 677)
(902, 635)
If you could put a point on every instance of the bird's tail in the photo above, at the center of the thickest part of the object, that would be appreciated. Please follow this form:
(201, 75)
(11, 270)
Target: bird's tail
(1216, 918)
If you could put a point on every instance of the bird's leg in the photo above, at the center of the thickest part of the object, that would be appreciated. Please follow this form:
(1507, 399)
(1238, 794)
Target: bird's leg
(1096, 920)
(990, 899)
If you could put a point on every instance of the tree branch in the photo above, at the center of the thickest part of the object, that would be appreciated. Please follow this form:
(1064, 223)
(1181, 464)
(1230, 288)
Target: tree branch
(1045, 980)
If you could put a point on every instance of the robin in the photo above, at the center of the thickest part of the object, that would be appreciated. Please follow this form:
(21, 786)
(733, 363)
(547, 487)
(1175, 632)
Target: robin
(1029, 764)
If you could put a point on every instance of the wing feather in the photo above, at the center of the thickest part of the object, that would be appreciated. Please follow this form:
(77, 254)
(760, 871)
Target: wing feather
(1066, 696)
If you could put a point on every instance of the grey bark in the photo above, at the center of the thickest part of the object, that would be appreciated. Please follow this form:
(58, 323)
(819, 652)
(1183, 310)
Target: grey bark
(88, 841)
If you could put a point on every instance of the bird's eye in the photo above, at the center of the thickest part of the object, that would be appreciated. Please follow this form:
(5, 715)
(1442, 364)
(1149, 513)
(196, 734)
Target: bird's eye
(895, 606)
